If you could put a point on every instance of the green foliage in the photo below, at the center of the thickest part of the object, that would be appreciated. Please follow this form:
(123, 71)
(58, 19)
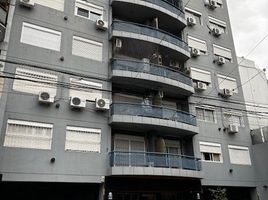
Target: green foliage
(218, 193)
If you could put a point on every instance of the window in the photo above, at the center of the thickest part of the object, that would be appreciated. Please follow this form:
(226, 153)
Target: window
(173, 147)
(239, 155)
(88, 10)
(225, 82)
(35, 82)
(233, 118)
(197, 44)
(223, 52)
(194, 14)
(82, 139)
(199, 75)
(127, 143)
(87, 48)
(55, 4)
(216, 23)
(205, 114)
(85, 89)
(211, 152)
(25, 134)
(40, 37)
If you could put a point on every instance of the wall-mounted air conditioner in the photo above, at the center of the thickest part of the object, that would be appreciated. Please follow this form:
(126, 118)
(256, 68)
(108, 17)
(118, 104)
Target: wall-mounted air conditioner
(212, 4)
(77, 102)
(195, 52)
(191, 21)
(102, 104)
(102, 25)
(27, 3)
(45, 97)
(216, 32)
(201, 86)
(227, 92)
(233, 129)
(118, 44)
(220, 60)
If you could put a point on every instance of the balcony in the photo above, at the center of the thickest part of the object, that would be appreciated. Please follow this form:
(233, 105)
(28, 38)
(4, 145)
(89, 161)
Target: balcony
(151, 35)
(141, 117)
(151, 76)
(158, 164)
(167, 12)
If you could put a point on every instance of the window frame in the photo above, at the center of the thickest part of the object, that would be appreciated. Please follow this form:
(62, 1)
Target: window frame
(86, 131)
(204, 110)
(29, 124)
(88, 6)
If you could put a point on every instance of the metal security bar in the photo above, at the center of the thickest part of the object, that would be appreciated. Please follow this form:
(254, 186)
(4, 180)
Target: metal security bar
(148, 159)
(149, 31)
(149, 68)
(152, 112)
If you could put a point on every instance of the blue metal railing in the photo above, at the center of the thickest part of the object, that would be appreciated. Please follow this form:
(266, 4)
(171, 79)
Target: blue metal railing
(149, 159)
(178, 9)
(153, 112)
(150, 68)
(149, 31)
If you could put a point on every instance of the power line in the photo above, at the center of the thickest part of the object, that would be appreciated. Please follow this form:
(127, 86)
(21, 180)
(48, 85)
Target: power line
(237, 65)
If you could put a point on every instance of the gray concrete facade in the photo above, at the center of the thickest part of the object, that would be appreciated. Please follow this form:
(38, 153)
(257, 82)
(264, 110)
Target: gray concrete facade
(32, 165)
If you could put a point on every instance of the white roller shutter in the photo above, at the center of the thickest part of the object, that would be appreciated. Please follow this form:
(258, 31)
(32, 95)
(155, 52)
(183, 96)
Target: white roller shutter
(85, 89)
(82, 139)
(207, 147)
(197, 43)
(227, 82)
(40, 36)
(239, 155)
(201, 75)
(87, 48)
(35, 82)
(55, 4)
(26, 134)
(221, 51)
(217, 21)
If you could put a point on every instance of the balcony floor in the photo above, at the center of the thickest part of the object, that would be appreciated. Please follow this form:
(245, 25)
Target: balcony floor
(152, 171)
(145, 124)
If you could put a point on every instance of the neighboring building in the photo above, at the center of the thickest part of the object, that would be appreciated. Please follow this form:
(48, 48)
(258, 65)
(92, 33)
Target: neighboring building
(176, 127)
(256, 98)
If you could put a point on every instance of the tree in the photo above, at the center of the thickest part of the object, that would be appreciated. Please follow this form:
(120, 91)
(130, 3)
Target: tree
(218, 193)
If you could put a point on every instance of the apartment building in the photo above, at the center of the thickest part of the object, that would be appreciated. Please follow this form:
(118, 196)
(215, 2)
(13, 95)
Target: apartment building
(123, 99)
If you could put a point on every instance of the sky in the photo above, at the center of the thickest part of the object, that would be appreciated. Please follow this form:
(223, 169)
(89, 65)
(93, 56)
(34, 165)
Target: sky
(249, 20)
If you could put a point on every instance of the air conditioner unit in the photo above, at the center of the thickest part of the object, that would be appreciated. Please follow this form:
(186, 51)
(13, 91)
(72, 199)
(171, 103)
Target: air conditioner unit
(212, 4)
(174, 63)
(102, 104)
(102, 25)
(201, 86)
(77, 102)
(233, 128)
(27, 3)
(195, 52)
(118, 43)
(45, 97)
(227, 92)
(216, 32)
(220, 60)
(191, 21)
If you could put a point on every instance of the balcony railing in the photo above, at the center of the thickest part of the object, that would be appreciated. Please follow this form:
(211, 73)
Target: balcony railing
(149, 31)
(149, 68)
(148, 159)
(152, 112)
(178, 9)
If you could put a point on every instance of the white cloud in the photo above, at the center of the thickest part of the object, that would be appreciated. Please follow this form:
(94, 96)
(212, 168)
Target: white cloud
(249, 21)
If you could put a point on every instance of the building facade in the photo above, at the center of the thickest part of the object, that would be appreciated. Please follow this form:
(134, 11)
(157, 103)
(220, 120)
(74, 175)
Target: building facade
(123, 99)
